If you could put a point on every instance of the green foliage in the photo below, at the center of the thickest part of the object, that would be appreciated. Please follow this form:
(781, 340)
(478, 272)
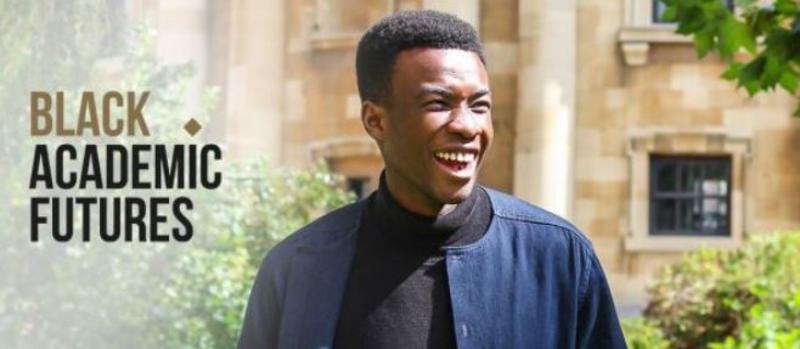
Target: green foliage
(47, 45)
(121, 295)
(768, 31)
(641, 333)
(764, 329)
(744, 298)
(84, 294)
(204, 297)
(166, 296)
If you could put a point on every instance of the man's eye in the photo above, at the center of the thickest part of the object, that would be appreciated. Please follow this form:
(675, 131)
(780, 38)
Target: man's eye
(436, 105)
(481, 107)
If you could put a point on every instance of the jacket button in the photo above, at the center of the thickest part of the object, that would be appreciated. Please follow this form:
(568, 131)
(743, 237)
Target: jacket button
(464, 330)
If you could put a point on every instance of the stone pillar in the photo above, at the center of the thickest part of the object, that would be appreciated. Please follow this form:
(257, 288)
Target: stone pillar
(255, 80)
(182, 38)
(467, 10)
(544, 157)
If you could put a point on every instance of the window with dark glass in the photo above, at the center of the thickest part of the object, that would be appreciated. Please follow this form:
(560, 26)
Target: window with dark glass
(357, 186)
(690, 195)
(659, 8)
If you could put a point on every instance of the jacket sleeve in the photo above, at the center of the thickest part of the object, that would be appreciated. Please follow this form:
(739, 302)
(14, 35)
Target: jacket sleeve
(262, 317)
(598, 325)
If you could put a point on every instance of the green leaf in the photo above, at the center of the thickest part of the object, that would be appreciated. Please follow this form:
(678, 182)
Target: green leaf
(733, 71)
(670, 14)
(778, 44)
(786, 7)
(772, 73)
(692, 20)
(732, 35)
(761, 21)
(750, 75)
(752, 87)
(788, 81)
(703, 42)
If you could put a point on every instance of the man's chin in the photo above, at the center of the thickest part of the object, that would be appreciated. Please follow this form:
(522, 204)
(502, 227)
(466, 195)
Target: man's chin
(457, 195)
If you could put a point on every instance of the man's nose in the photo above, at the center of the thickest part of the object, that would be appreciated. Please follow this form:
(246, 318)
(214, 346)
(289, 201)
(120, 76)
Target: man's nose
(464, 123)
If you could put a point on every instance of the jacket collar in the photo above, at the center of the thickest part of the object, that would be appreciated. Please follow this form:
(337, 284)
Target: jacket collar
(320, 271)
(341, 226)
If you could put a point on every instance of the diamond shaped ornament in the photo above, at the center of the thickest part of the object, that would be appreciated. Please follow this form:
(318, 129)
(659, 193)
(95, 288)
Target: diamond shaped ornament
(192, 127)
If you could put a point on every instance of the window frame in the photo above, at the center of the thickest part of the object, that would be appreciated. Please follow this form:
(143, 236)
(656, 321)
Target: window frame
(657, 160)
(684, 141)
(655, 18)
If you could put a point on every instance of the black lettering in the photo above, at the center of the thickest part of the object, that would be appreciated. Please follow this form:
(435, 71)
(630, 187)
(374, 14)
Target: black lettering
(122, 160)
(67, 234)
(192, 166)
(35, 217)
(156, 218)
(137, 166)
(205, 164)
(61, 165)
(181, 217)
(86, 213)
(114, 233)
(91, 168)
(166, 171)
(135, 218)
(41, 162)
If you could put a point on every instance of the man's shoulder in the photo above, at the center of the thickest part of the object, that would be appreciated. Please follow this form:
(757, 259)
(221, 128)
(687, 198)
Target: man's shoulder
(327, 231)
(516, 210)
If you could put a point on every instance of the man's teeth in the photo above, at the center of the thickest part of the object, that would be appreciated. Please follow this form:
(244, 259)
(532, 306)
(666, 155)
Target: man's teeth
(452, 156)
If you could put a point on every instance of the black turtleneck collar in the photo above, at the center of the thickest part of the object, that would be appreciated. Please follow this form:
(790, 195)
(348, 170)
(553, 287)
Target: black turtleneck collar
(397, 294)
(465, 224)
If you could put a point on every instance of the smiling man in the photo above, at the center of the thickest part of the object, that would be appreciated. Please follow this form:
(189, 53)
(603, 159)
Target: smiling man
(431, 259)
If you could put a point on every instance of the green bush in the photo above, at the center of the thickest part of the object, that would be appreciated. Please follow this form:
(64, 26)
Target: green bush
(191, 295)
(641, 333)
(204, 297)
(743, 298)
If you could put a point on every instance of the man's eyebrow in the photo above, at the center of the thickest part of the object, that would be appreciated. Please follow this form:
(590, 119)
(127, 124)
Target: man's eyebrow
(480, 93)
(448, 94)
(434, 90)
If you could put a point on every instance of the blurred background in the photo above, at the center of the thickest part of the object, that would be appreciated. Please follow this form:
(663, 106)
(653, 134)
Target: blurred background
(602, 114)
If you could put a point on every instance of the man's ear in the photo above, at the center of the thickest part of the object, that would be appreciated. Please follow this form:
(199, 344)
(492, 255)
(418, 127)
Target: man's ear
(375, 119)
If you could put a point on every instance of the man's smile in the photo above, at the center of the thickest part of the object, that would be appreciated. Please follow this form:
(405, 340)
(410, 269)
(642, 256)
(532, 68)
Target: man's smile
(459, 163)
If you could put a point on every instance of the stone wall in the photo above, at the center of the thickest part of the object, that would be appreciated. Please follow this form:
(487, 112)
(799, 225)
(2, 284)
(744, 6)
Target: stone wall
(286, 69)
(673, 92)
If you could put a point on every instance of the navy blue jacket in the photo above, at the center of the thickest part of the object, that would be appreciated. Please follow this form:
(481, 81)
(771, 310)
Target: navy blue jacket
(533, 281)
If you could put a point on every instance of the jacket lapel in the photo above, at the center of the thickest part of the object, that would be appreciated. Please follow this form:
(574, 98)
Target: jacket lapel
(326, 280)
(317, 282)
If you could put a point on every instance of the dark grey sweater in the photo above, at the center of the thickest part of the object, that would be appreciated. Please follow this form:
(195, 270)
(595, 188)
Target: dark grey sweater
(397, 291)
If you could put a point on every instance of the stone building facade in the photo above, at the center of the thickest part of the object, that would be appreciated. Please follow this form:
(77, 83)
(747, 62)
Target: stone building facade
(601, 115)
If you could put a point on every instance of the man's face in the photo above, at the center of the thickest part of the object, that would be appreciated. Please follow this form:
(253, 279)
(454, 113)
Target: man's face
(438, 128)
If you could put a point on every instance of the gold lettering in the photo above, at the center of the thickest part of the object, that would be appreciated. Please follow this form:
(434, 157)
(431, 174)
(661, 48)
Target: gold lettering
(41, 112)
(87, 115)
(107, 100)
(135, 113)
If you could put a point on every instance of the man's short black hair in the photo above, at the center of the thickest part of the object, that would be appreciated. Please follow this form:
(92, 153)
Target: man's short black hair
(405, 30)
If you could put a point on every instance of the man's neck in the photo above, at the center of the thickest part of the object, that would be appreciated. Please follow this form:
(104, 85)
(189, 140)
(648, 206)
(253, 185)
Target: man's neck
(414, 201)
